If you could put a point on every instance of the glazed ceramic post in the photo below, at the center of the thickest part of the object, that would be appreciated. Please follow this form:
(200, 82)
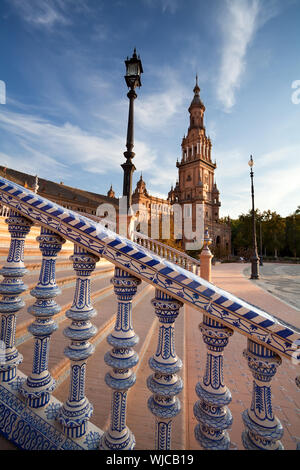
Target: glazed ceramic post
(77, 410)
(211, 410)
(297, 380)
(165, 383)
(263, 429)
(205, 258)
(11, 287)
(39, 385)
(121, 358)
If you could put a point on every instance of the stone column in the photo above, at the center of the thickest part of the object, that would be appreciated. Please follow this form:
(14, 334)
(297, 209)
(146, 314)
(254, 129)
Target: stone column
(122, 358)
(11, 287)
(263, 429)
(211, 410)
(39, 385)
(164, 383)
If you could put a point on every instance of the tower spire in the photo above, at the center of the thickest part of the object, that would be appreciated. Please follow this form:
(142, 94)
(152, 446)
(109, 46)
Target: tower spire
(196, 88)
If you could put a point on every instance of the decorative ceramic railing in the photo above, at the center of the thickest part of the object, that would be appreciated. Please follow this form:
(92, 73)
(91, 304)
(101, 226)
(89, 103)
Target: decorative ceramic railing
(167, 252)
(4, 211)
(164, 251)
(32, 418)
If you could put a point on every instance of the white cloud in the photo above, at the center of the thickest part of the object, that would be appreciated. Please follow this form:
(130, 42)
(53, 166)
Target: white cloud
(165, 5)
(276, 181)
(239, 24)
(156, 111)
(67, 144)
(40, 12)
(48, 13)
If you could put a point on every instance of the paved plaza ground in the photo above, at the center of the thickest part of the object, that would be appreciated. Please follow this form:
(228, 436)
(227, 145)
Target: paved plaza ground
(281, 280)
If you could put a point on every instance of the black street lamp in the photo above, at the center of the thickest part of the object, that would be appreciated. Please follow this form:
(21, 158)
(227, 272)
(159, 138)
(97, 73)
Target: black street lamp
(254, 258)
(134, 70)
(260, 239)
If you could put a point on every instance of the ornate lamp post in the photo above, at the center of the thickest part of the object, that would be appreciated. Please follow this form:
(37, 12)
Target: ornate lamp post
(254, 258)
(134, 70)
(261, 250)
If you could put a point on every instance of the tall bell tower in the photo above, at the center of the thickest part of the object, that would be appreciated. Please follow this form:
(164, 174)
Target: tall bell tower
(196, 170)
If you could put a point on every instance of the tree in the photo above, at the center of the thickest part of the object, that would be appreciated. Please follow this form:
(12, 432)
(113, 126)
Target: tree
(293, 233)
(274, 232)
(241, 233)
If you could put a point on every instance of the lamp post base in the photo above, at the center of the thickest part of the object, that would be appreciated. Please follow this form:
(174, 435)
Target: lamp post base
(254, 268)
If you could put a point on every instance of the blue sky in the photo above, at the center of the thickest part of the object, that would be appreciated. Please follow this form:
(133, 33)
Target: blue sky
(65, 116)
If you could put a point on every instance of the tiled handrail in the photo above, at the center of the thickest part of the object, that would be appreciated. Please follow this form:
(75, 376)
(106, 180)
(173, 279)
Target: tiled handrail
(171, 278)
(168, 252)
(164, 251)
(4, 210)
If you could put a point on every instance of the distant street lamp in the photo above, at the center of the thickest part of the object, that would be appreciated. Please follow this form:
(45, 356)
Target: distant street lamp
(261, 250)
(254, 258)
(134, 70)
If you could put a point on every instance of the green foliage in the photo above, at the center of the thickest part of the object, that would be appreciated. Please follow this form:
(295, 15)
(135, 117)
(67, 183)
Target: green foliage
(275, 235)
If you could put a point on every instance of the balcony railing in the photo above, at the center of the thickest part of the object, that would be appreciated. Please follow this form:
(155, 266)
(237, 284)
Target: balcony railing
(167, 252)
(32, 418)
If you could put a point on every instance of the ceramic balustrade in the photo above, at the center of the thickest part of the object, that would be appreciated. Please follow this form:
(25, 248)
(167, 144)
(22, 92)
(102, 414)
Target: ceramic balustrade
(167, 252)
(77, 410)
(263, 429)
(40, 384)
(223, 313)
(211, 410)
(122, 358)
(165, 384)
(11, 287)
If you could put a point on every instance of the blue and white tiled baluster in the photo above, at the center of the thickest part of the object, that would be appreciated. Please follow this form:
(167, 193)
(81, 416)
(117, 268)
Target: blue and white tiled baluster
(165, 383)
(77, 410)
(39, 385)
(121, 358)
(11, 287)
(297, 380)
(211, 410)
(263, 429)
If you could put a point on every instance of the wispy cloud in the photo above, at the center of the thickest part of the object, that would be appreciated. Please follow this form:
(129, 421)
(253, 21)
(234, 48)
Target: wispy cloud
(66, 145)
(157, 111)
(48, 13)
(239, 23)
(276, 180)
(238, 26)
(40, 12)
(165, 5)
